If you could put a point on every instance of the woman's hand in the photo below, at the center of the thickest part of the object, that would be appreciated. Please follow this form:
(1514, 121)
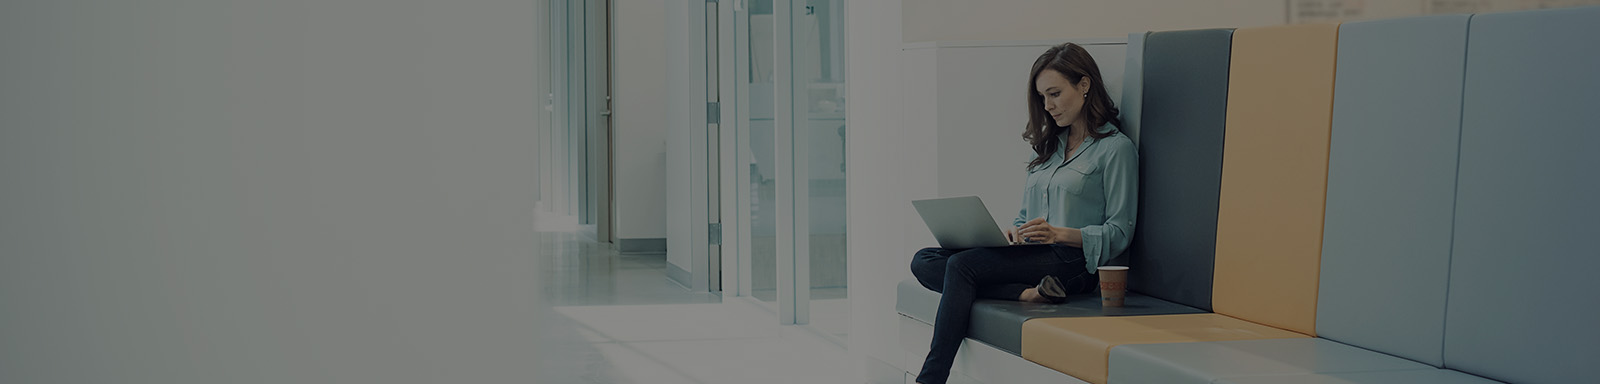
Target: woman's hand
(1039, 231)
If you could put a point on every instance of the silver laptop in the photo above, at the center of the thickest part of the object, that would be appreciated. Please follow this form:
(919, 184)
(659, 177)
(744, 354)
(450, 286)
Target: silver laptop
(960, 222)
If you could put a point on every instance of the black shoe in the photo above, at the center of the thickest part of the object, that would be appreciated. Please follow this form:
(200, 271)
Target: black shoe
(1050, 288)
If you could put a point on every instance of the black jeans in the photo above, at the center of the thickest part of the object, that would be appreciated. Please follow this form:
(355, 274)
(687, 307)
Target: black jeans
(1002, 273)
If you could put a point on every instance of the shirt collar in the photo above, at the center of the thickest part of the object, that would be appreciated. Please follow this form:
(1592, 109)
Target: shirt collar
(1061, 145)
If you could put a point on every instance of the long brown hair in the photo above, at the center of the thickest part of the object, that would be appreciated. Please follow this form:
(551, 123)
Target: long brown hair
(1073, 62)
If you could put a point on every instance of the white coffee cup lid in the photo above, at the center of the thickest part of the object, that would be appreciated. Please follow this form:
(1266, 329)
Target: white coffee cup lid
(1113, 268)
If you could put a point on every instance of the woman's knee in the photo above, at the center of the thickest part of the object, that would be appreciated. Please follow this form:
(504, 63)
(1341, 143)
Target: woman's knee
(967, 257)
(968, 262)
(928, 266)
(958, 263)
(926, 257)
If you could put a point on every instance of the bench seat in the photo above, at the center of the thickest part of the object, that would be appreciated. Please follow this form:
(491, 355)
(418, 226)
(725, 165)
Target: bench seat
(1080, 346)
(999, 322)
(1428, 376)
(1204, 362)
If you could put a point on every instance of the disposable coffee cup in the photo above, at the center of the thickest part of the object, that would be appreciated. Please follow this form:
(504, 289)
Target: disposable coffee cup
(1113, 285)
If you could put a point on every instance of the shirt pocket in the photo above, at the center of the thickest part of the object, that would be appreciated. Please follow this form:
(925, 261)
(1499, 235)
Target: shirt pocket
(1038, 178)
(1076, 177)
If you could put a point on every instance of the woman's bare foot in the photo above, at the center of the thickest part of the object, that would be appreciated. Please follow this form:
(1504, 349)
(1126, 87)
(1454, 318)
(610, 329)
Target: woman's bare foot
(1031, 295)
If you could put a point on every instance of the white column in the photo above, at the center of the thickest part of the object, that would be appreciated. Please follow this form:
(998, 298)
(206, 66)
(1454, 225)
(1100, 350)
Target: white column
(783, 157)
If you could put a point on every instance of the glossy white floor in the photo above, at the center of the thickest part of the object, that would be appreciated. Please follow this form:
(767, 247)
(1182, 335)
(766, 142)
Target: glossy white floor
(610, 318)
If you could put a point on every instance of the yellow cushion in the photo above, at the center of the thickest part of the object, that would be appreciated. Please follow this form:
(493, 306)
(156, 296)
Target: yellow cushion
(1080, 346)
(1274, 175)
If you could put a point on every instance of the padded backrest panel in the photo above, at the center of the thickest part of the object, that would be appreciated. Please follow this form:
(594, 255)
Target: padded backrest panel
(1391, 185)
(1129, 105)
(1523, 272)
(1133, 87)
(1180, 164)
(1274, 175)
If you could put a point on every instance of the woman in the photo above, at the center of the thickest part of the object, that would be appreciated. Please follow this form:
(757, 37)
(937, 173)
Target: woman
(1077, 207)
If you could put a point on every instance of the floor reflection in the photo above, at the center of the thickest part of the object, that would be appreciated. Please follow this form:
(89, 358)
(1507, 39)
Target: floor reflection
(610, 318)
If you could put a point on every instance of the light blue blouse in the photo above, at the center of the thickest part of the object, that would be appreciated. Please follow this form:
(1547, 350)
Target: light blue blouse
(1095, 190)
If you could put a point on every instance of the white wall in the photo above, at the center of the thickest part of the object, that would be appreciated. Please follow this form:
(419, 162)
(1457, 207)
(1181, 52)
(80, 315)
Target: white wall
(882, 153)
(639, 101)
(677, 165)
(319, 191)
(950, 20)
(685, 129)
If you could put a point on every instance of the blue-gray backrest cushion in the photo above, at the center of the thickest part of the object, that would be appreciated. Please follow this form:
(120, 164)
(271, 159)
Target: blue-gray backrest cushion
(1524, 267)
(1133, 87)
(1391, 185)
(1180, 164)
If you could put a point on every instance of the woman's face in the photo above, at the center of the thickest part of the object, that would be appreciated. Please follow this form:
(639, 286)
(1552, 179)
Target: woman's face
(1062, 99)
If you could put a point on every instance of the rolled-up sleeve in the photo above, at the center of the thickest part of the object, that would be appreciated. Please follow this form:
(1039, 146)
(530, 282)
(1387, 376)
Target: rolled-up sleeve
(1022, 213)
(1120, 179)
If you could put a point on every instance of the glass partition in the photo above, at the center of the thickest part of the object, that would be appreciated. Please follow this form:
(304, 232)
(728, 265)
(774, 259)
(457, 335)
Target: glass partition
(819, 138)
(756, 103)
(790, 133)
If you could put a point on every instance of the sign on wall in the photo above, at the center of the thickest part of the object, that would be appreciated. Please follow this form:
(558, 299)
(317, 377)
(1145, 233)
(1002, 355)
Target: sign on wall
(1320, 11)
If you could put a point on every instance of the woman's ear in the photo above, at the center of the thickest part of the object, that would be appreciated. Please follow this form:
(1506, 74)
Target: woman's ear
(1082, 85)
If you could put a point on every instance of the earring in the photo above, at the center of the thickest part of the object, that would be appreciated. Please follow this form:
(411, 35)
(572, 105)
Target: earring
(1085, 95)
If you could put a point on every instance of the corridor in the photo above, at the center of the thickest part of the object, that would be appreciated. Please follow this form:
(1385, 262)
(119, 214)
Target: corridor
(611, 318)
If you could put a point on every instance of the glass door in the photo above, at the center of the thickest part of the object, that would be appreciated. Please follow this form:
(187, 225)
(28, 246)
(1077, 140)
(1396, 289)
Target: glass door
(576, 119)
(758, 187)
(597, 113)
(783, 171)
(818, 139)
(575, 146)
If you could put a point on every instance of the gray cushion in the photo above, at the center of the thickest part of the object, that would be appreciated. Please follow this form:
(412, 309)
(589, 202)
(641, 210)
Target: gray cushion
(1132, 86)
(1428, 376)
(1180, 164)
(1391, 185)
(1203, 362)
(1522, 274)
(999, 322)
